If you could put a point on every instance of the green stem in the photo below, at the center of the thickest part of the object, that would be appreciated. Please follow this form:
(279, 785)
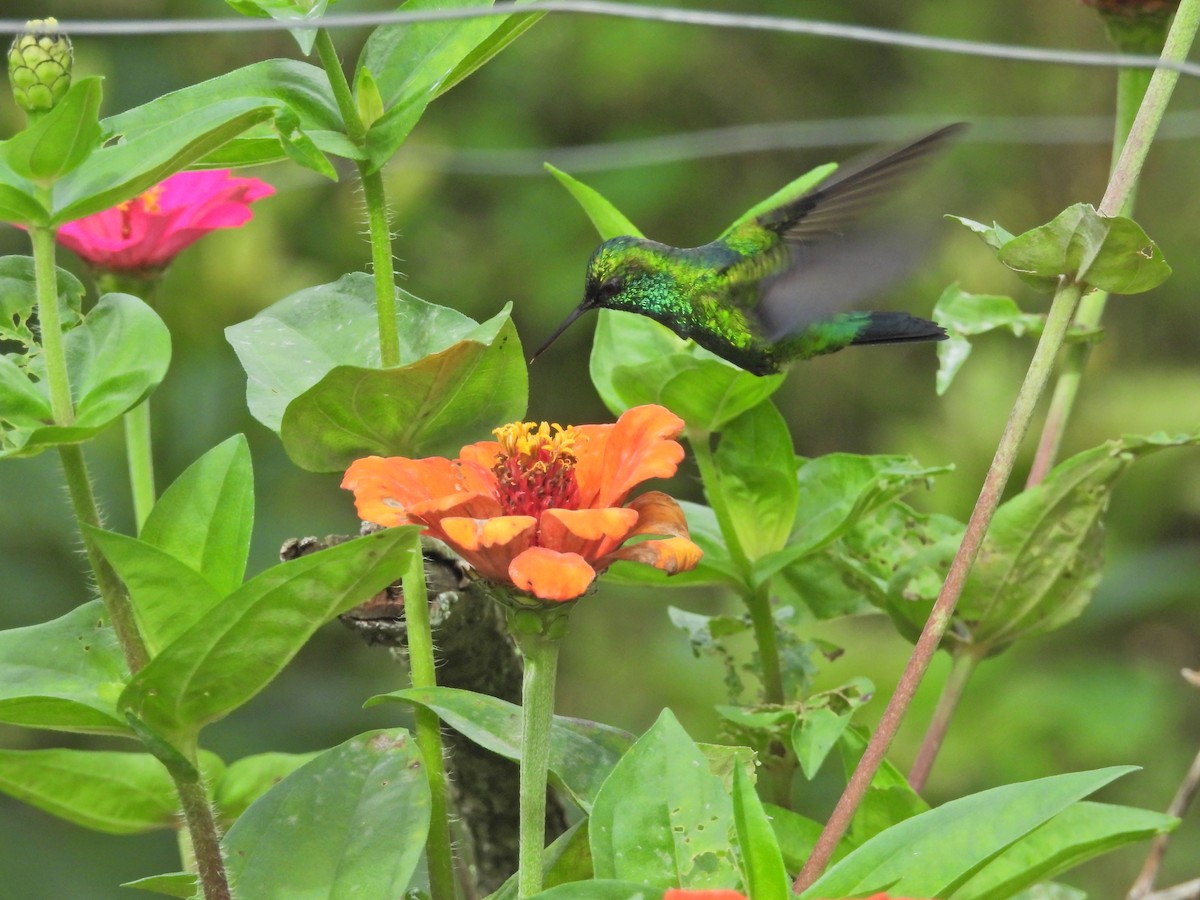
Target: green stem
(429, 735)
(963, 664)
(375, 197)
(757, 599)
(1061, 311)
(205, 839)
(140, 455)
(537, 633)
(50, 319)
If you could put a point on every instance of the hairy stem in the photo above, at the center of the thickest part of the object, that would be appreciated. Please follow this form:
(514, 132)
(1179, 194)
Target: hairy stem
(963, 665)
(205, 839)
(429, 735)
(139, 452)
(1184, 795)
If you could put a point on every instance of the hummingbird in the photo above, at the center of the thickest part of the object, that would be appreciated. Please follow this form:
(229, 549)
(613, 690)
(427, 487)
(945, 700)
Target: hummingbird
(772, 288)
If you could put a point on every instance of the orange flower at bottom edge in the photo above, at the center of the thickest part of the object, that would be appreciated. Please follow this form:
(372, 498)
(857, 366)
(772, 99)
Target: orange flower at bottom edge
(543, 507)
(708, 894)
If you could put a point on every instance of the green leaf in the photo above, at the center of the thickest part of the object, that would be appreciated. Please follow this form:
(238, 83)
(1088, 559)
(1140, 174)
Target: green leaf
(18, 296)
(65, 674)
(933, 854)
(20, 202)
(662, 818)
(414, 63)
(609, 221)
(205, 517)
(115, 793)
(235, 650)
(62, 139)
(762, 860)
(509, 29)
(1042, 558)
(1109, 253)
(823, 721)
(120, 171)
(293, 11)
(291, 345)
(756, 465)
(249, 778)
(351, 822)
(568, 859)
(176, 884)
(1078, 833)
(796, 836)
(115, 357)
(963, 314)
(430, 407)
(836, 491)
(301, 87)
(889, 800)
(996, 237)
(582, 753)
(601, 889)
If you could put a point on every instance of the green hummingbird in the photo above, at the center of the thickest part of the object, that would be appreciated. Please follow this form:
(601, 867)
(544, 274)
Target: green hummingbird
(772, 288)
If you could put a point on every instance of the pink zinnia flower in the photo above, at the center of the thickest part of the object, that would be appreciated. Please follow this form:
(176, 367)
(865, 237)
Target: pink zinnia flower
(147, 232)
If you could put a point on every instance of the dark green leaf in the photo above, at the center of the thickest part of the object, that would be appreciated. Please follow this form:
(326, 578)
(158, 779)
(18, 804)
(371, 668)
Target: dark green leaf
(568, 859)
(756, 465)
(762, 860)
(204, 518)
(115, 358)
(249, 778)
(582, 753)
(115, 793)
(662, 818)
(963, 314)
(936, 852)
(290, 346)
(19, 201)
(431, 407)
(1078, 833)
(351, 822)
(1109, 253)
(235, 650)
(65, 674)
(996, 237)
(62, 139)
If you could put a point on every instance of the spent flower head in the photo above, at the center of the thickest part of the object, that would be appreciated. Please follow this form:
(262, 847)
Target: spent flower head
(542, 509)
(39, 65)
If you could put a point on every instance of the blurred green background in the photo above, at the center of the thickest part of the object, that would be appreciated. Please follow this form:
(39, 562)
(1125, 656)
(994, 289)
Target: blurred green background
(473, 234)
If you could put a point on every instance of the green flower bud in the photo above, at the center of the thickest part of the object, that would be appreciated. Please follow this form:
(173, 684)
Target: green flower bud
(1136, 26)
(39, 66)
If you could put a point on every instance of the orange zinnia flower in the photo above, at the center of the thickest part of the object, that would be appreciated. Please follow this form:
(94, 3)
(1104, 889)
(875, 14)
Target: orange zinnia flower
(543, 507)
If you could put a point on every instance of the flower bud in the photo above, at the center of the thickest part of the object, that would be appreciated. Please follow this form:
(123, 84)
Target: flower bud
(39, 66)
(1136, 26)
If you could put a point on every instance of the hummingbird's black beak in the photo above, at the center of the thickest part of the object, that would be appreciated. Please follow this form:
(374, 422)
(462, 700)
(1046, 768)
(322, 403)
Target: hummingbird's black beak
(575, 314)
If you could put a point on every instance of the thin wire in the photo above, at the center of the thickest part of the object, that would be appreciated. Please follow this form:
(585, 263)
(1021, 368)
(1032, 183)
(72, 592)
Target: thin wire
(764, 137)
(709, 18)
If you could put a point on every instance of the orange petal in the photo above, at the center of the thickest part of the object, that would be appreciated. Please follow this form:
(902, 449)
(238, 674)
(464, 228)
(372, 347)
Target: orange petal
(385, 488)
(488, 544)
(672, 555)
(482, 454)
(551, 575)
(589, 532)
(613, 459)
(470, 505)
(658, 513)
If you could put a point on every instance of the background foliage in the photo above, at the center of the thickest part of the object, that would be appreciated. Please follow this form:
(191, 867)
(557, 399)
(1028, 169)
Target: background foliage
(1101, 692)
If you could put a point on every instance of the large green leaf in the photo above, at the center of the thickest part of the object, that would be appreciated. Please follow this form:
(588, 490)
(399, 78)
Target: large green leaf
(582, 753)
(350, 823)
(431, 407)
(933, 854)
(234, 651)
(662, 818)
(116, 793)
(291, 345)
(65, 674)
(247, 779)
(1078, 833)
(115, 357)
(762, 860)
(567, 859)
(205, 517)
(61, 139)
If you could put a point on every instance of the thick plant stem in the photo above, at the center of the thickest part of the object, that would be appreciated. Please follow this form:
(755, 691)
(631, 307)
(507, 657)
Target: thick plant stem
(205, 839)
(537, 635)
(963, 665)
(50, 319)
(429, 736)
(1061, 312)
(375, 198)
(758, 601)
(139, 454)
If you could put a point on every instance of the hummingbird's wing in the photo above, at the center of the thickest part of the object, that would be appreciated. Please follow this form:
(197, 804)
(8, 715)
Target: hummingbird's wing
(801, 261)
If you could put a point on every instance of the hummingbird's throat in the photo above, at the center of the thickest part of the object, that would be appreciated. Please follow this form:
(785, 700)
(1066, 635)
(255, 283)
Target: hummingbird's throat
(535, 468)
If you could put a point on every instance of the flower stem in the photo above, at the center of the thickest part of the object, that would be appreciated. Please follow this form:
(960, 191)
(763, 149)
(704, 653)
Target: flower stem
(50, 320)
(375, 198)
(757, 599)
(140, 456)
(205, 839)
(963, 664)
(429, 735)
(1061, 311)
(537, 633)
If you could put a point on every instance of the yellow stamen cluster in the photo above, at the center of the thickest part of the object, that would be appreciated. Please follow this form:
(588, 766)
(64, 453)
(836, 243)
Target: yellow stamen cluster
(538, 445)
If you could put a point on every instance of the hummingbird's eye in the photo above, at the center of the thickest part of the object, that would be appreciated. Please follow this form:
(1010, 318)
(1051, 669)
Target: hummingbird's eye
(612, 287)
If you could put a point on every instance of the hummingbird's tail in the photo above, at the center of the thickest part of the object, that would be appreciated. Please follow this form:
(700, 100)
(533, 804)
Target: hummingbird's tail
(898, 328)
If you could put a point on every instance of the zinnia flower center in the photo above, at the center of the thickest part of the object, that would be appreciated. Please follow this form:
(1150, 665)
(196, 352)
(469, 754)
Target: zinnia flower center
(148, 201)
(535, 468)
